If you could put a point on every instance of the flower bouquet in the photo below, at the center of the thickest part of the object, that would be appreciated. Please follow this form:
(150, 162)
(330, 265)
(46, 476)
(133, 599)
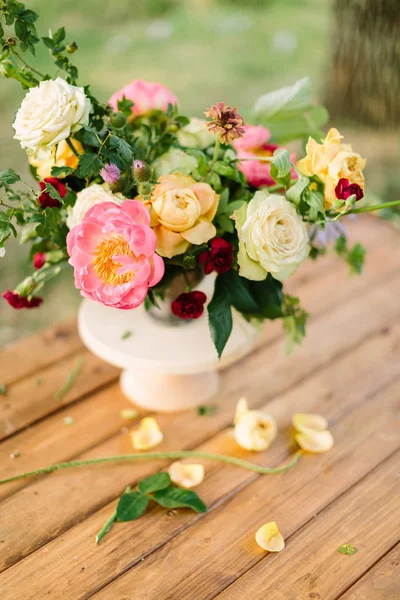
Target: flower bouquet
(144, 202)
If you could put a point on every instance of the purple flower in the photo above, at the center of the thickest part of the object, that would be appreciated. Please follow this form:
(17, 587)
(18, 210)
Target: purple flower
(110, 173)
(321, 238)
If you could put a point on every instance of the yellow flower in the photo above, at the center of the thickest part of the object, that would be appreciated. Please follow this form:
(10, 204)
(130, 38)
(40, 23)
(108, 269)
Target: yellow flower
(186, 476)
(181, 213)
(269, 537)
(148, 435)
(331, 161)
(61, 156)
(254, 430)
(312, 432)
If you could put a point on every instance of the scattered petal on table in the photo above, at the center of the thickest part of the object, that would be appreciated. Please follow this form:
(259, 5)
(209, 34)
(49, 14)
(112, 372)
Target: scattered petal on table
(315, 441)
(186, 475)
(148, 435)
(242, 408)
(255, 431)
(269, 537)
(305, 421)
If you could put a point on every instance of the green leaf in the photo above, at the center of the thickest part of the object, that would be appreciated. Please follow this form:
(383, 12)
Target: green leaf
(153, 483)
(61, 171)
(285, 100)
(220, 315)
(315, 201)
(281, 162)
(59, 36)
(223, 169)
(127, 334)
(89, 165)
(356, 258)
(125, 106)
(240, 294)
(131, 506)
(347, 549)
(9, 176)
(2, 388)
(122, 147)
(48, 42)
(5, 229)
(28, 16)
(295, 192)
(173, 497)
(53, 192)
(268, 295)
(206, 411)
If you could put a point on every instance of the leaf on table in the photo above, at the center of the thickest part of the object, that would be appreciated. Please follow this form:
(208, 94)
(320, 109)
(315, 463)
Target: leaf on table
(131, 506)
(153, 483)
(177, 498)
(347, 549)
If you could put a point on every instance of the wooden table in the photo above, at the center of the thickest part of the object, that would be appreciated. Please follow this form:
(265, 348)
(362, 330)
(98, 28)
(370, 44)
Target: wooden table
(348, 370)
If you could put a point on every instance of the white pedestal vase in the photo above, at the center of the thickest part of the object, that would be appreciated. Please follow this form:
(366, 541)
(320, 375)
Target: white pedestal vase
(169, 364)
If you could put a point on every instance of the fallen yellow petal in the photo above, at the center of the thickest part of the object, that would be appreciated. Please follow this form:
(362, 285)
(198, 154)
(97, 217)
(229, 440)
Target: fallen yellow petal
(315, 441)
(304, 422)
(185, 475)
(242, 408)
(269, 537)
(148, 435)
(255, 431)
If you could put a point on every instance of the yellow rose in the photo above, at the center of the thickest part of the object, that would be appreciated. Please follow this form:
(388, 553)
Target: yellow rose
(331, 161)
(61, 156)
(181, 212)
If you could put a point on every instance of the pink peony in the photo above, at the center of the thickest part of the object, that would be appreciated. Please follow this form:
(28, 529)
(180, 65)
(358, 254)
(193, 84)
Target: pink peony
(255, 143)
(146, 96)
(113, 254)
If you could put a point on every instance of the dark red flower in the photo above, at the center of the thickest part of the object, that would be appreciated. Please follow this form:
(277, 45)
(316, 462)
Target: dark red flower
(219, 258)
(345, 189)
(45, 200)
(189, 305)
(17, 301)
(39, 259)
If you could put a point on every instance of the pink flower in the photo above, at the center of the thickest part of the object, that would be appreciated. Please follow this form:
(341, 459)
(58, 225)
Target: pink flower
(146, 96)
(110, 173)
(113, 254)
(255, 143)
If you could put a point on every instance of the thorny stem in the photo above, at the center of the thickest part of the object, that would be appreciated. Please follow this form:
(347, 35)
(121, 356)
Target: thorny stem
(74, 150)
(26, 64)
(244, 464)
(355, 211)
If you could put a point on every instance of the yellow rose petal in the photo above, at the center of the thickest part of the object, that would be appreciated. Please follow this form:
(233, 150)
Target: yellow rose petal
(255, 431)
(304, 422)
(315, 441)
(148, 435)
(269, 537)
(185, 475)
(242, 408)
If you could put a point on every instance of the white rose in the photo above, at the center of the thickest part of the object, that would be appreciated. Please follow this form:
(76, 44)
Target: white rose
(195, 135)
(49, 113)
(272, 237)
(174, 160)
(86, 198)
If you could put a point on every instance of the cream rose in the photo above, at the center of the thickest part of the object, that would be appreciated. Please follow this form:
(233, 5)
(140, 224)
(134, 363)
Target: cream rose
(49, 113)
(195, 135)
(86, 198)
(272, 237)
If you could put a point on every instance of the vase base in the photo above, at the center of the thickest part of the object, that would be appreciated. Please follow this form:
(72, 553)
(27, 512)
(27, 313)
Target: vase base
(168, 392)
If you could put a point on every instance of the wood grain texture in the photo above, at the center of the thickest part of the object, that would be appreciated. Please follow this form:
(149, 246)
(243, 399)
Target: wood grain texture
(348, 370)
(382, 582)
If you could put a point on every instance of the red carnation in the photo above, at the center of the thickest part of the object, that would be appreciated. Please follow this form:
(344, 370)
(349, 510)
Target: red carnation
(17, 301)
(189, 305)
(345, 189)
(219, 258)
(45, 200)
(39, 259)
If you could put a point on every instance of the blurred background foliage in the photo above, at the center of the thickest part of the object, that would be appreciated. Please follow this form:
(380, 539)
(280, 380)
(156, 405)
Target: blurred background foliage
(222, 50)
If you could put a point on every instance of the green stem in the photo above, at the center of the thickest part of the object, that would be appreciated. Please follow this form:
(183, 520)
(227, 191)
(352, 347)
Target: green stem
(26, 64)
(244, 464)
(364, 209)
(216, 152)
(257, 158)
(108, 524)
(74, 150)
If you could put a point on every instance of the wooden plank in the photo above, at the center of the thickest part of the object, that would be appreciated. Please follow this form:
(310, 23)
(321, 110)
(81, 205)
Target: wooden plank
(382, 582)
(32, 398)
(32, 354)
(94, 420)
(103, 487)
(360, 434)
(311, 563)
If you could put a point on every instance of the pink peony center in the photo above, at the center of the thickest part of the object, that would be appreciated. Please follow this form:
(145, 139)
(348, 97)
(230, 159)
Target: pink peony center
(110, 257)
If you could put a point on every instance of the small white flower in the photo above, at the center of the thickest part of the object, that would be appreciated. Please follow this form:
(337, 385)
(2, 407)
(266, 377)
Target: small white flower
(272, 237)
(85, 199)
(186, 475)
(2, 252)
(49, 113)
(254, 430)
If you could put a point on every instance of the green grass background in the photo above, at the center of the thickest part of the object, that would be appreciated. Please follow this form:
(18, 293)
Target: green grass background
(204, 51)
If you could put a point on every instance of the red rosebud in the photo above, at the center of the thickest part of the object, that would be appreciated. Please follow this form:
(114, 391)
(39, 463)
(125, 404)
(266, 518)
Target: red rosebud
(39, 259)
(345, 189)
(219, 258)
(189, 305)
(45, 200)
(17, 301)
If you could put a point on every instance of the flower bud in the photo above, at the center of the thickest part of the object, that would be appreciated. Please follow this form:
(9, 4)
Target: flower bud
(174, 127)
(7, 68)
(144, 189)
(118, 120)
(11, 41)
(141, 171)
(26, 287)
(72, 47)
